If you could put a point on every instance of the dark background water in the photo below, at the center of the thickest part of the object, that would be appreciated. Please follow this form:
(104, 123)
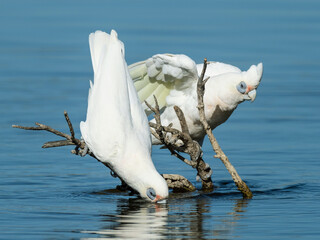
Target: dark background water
(273, 143)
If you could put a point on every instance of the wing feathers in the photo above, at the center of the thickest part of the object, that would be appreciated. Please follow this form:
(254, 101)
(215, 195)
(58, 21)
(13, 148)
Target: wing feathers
(160, 74)
(144, 92)
(161, 92)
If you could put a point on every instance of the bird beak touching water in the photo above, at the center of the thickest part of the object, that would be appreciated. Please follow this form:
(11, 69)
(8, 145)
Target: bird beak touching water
(160, 199)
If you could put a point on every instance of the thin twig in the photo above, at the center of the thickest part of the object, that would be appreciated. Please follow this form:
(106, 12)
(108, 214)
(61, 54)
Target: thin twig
(70, 139)
(45, 128)
(60, 143)
(27, 128)
(69, 124)
(158, 133)
(241, 185)
(189, 146)
(76, 141)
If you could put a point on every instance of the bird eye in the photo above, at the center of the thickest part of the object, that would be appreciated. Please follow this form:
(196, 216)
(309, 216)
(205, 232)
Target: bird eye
(151, 193)
(242, 87)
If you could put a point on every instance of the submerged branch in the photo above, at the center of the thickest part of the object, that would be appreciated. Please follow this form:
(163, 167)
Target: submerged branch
(178, 183)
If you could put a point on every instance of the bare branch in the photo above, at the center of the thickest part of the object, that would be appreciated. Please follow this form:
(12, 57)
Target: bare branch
(182, 119)
(176, 182)
(27, 128)
(241, 185)
(189, 146)
(69, 124)
(70, 139)
(76, 141)
(58, 143)
(160, 132)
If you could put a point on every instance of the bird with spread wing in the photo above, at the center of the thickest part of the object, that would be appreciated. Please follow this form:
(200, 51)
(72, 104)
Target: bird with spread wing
(172, 79)
(116, 129)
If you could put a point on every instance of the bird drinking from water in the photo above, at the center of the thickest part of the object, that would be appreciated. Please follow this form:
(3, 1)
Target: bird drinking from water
(116, 129)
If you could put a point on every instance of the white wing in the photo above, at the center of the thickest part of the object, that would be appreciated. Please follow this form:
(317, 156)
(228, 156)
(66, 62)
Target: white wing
(160, 74)
(217, 68)
(108, 101)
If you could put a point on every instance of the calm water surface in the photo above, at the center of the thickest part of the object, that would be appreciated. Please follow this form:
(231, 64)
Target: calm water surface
(274, 142)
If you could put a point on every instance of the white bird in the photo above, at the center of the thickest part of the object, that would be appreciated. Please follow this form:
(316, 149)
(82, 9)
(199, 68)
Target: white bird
(173, 80)
(116, 129)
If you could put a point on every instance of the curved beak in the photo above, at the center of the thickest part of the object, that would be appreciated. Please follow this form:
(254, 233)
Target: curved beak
(252, 95)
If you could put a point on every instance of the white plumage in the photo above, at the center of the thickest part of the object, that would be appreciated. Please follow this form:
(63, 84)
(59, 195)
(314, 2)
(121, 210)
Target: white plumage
(116, 129)
(173, 80)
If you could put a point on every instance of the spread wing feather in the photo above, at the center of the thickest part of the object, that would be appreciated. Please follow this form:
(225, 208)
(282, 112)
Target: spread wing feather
(160, 74)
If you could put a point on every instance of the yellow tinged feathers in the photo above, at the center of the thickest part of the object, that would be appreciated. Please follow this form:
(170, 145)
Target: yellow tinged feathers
(147, 87)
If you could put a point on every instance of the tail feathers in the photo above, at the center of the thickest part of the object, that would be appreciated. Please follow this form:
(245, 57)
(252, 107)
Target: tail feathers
(99, 42)
(110, 86)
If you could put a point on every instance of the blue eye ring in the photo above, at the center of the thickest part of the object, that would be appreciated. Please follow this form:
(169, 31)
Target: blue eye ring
(242, 87)
(151, 193)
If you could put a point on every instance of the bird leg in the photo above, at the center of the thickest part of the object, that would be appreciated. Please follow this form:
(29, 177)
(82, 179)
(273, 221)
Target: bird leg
(241, 185)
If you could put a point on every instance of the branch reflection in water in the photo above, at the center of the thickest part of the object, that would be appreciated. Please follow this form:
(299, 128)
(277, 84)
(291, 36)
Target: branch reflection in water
(194, 217)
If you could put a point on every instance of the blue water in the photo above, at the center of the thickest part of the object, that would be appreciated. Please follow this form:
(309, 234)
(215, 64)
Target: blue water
(273, 143)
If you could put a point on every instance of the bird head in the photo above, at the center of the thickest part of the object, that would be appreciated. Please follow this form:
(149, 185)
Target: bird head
(160, 194)
(250, 81)
(235, 87)
(138, 171)
(153, 187)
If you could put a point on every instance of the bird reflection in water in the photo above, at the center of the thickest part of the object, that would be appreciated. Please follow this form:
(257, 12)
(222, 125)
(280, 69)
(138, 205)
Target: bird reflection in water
(137, 219)
(196, 217)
